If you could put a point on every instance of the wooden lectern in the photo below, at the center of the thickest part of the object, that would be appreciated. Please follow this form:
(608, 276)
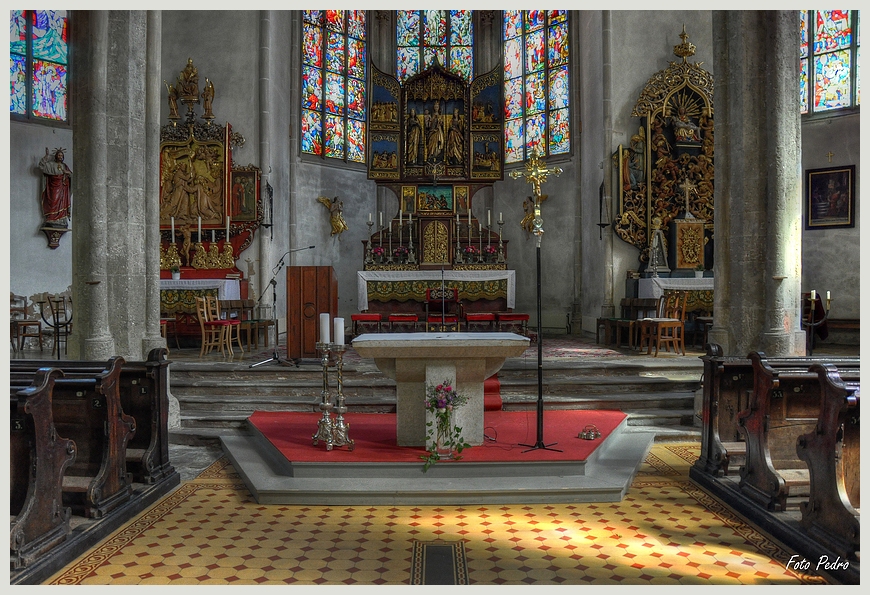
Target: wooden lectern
(311, 290)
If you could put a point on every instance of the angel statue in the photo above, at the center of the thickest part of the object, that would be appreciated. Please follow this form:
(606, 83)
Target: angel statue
(336, 220)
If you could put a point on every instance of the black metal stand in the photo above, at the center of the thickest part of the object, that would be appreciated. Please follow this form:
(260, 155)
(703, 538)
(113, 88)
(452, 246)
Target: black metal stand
(812, 324)
(275, 357)
(539, 443)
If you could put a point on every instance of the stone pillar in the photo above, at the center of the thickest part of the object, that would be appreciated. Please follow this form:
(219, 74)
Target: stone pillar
(153, 101)
(91, 338)
(758, 203)
(607, 307)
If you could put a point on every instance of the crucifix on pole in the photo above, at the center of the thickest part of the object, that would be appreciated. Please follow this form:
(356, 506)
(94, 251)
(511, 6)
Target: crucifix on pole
(687, 187)
(536, 174)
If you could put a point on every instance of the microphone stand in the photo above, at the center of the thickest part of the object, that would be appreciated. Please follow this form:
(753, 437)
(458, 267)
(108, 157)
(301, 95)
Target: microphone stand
(275, 357)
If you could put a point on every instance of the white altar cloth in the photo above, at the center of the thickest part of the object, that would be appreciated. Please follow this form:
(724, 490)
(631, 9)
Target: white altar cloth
(654, 287)
(228, 289)
(364, 277)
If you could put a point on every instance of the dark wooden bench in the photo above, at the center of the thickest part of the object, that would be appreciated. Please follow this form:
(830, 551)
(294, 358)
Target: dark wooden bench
(39, 457)
(144, 392)
(832, 453)
(87, 409)
(727, 385)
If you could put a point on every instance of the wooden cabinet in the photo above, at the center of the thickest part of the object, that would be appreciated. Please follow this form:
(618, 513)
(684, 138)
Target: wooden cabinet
(311, 290)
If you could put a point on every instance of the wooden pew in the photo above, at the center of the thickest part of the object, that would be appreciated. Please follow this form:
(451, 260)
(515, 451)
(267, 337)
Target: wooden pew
(832, 454)
(785, 404)
(144, 392)
(726, 389)
(39, 459)
(87, 409)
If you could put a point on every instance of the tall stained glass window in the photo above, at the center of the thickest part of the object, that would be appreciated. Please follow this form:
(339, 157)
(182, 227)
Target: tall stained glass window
(38, 54)
(334, 84)
(830, 55)
(424, 35)
(536, 90)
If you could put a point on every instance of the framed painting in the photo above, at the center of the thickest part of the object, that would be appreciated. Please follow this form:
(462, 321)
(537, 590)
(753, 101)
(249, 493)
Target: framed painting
(244, 190)
(830, 197)
(460, 193)
(435, 200)
(409, 198)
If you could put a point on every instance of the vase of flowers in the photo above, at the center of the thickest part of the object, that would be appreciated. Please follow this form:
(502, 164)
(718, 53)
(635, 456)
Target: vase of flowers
(378, 253)
(490, 252)
(401, 254)
(443, 439)
(470, 253)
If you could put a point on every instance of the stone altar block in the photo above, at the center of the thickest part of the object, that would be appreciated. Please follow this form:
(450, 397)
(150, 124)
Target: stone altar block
(413, 359)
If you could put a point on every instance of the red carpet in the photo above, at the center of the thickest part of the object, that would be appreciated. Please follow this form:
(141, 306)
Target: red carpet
(374, 436)
(492, 394)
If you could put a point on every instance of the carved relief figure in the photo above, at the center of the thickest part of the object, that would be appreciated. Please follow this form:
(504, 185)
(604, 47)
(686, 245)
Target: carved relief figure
(173, 101)
(185, 245)
(685, 129)
(415, 134)
(56, 193)
(455, 139)
(336, 219)
(636, 158)
(207, 98)
(435, 133)
(188, 82)
(528, 222)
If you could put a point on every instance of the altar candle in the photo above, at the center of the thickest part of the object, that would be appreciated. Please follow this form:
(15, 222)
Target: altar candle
(400, 217)
(410, 217)
(488, 218)
(370, 217)
(199, 229)
(172, 222)
(228, 228)
(381, 218)
(828, 296)
(479, 227)
(212, 236)
(339, 331)
(324, 328)
(469, 215)
(499, 217)
(813, 294)
(457, 218)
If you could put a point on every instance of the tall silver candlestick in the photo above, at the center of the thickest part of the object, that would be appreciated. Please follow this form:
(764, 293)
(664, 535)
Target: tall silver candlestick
(390, 242)
(368, 258)
(325, 428)
(340, 427)
(501, 257)
(479, 244)
(412, 256)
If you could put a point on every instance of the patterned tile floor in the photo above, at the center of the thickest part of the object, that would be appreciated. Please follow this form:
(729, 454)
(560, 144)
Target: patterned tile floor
(665, 531)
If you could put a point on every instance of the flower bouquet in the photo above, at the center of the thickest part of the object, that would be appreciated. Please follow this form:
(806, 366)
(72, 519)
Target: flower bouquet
(470, 250)
(401, 253)
(443, 439)
(378, 253)
(490, 252)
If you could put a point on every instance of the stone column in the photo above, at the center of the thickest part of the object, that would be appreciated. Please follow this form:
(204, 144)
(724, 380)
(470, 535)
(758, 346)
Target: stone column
(91, 338)
(153, 100)
(607, 307)
(758, 204)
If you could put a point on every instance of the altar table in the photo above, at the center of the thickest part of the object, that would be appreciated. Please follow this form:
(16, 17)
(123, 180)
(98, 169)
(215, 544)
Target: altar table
(700, 290)
(415, 359)
(177, 295)
(404, 285)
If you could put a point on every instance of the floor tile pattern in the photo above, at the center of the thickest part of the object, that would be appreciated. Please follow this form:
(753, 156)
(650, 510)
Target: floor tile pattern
(665, 531)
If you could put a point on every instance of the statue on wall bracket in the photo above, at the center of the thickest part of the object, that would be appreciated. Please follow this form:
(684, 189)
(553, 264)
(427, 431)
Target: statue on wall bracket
(666, 172)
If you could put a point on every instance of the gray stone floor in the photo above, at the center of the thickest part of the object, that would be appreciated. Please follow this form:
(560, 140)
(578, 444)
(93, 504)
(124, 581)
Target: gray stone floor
(190, 461)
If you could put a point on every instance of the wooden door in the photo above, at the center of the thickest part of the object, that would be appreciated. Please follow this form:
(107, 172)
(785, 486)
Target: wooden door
(311, 290)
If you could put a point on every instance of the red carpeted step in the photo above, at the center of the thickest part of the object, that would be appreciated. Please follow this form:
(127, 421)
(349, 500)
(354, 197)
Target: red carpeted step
(492, 394)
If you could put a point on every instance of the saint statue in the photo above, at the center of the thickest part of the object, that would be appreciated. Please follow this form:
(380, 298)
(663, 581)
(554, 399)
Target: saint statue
(207, 98)
(56, 194)
(455, 139)
(336, 220)
(415, 133)
(435, 133)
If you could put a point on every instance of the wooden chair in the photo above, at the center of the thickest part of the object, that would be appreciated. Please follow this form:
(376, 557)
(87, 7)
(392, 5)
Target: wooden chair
(233, 325)
(60, 325)
(24, 323)
(212, 331)
(443, 310)
(243, 313)
(669, 327)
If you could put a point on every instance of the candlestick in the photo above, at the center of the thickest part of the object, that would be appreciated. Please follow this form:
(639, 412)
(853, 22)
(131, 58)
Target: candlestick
(172, 222)
(324, 328)
(340, 427)
(325, 425)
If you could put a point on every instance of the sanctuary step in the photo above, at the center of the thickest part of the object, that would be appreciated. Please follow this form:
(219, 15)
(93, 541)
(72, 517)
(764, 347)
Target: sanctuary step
(216, 398)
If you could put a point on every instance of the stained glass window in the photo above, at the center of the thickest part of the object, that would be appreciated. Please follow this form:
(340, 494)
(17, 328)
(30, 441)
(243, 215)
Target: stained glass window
(38, 50)
(830, 51)
(422, 36)
(334, 84)
(536, 89)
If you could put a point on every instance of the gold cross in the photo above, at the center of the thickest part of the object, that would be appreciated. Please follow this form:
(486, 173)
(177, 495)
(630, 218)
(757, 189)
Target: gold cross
(687, 187)
(536, 174)
(830, 156)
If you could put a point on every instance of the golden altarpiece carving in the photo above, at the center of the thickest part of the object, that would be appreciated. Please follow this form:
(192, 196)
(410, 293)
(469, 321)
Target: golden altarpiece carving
(435, 142)
(664, 177)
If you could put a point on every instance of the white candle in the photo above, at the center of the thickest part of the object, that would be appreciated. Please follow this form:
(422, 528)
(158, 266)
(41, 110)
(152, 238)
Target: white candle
(370, 217)
(469, 214)
(400, 217)
(172, 222)
(324, 328)
(813, 294)
(381, 218)
(828, 296)
(457, 218)
(339, 330)
(228, 228)
(212, 236)
(410, 218)
(499, 216)
(199, 229)
(488, 218)
(479, 227)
